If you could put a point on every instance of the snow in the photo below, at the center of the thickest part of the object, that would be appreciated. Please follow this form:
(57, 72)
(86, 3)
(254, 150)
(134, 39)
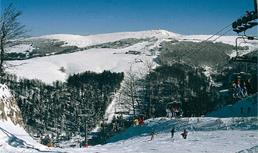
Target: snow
(4, 92)
(197, 142)
(234, 110)
(83, 41)
(13, 139)
(21, 48)
(206, 135)
(208, 71)
(47, 68)
(224, 39)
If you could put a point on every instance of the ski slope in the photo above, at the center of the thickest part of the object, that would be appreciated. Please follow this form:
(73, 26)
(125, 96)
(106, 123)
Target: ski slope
(242, 108)
(206, 135)
(14, 139)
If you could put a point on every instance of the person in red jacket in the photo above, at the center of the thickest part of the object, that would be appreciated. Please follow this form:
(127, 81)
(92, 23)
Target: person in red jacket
(141, 121)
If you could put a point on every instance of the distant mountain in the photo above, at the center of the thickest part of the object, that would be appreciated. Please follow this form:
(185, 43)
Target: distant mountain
(83, 41)
(55, 57)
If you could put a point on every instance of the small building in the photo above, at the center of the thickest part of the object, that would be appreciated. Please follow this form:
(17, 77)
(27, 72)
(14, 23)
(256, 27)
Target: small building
(173, 109)
(133, 52)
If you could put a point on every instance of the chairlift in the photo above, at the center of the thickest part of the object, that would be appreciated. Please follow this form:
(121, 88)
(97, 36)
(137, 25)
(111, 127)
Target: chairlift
(241, 75)
(173, 104)
(240, 84)
(244, 58)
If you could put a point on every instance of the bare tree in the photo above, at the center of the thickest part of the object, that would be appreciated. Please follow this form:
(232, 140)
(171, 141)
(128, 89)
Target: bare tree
(10, 29)
(129, 90)
(149, 65)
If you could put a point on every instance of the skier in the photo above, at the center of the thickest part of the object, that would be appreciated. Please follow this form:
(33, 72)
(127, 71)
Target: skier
(172, 132)
(184, 134)
(152, 135)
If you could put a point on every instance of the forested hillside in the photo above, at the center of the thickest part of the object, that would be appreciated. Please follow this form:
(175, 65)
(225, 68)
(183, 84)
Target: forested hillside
(63, 108)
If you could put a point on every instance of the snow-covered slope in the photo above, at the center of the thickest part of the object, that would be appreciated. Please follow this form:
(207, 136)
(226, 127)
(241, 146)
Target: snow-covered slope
(4, 92)
(243, 108)
(21, 48)
(210, 135)
(48, 68)
(197, 142)
(59, 67)
(83, 41)
(14, 139)
(205, 135)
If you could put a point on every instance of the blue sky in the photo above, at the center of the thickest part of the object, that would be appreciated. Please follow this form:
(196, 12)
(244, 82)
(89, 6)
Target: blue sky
(102, 16)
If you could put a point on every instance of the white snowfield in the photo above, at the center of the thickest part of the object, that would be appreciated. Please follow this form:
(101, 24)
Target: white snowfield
(205, 135)
(48, 68)
(21, 48)
(83, 41)
(4, 92)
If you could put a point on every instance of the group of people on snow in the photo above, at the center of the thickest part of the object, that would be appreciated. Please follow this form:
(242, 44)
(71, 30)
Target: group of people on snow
(138, 121)
(183, 134)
